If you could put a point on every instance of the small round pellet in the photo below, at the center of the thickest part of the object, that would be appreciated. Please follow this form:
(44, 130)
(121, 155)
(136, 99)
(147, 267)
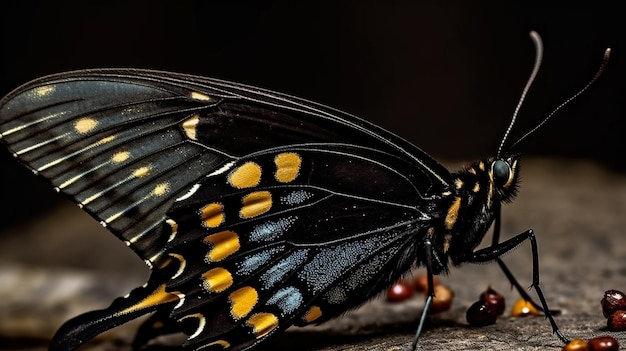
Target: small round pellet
(576, 345)
(613, 300)
(493, 299)
(480, 314)
(523, 308)
(399, 291)
(617, 321)
(603, 343)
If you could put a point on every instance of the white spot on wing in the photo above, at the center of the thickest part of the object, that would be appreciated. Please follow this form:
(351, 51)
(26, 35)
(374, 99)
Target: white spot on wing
(189, 193)
(181, 267)
(181, 300)
(201, 324)
(223, 169)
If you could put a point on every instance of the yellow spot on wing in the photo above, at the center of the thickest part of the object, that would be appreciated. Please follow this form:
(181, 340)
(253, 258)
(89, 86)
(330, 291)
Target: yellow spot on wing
(43, 91)
(158, 297)
(190, 127)
(453, 213)
(262, 323)
(200, 96)
(243, 301)
(212, 214)
(247, 175)
(120, 156)
(85, 125)
(224, 244)
(161, 189)
(141, 172)
(312, 314)
(255, 204)
(217, 279)
(287, 166)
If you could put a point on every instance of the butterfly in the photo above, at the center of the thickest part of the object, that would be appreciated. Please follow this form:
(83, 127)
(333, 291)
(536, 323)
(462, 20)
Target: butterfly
(255, 210)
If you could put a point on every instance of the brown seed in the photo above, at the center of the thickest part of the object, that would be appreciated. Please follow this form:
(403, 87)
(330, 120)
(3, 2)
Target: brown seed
(420, 283)
(576, 345)
(480, 314)
(523, 308)
(399, 291)
(617, 321)
(493, 299)
(442, 300)
(603, 343)
(613, 300)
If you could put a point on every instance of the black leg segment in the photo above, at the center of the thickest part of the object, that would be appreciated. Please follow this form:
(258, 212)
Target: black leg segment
(494, 252)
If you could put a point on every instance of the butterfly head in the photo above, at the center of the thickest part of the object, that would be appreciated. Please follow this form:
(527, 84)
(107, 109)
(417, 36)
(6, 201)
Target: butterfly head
(488, 182)
(504, 176)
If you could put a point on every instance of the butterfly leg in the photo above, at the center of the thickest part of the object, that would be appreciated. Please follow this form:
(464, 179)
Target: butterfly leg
(505, 269)
(495, 251)
(430, 292)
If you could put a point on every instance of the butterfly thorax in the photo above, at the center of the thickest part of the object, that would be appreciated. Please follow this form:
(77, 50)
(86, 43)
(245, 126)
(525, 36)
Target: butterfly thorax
(475, 194)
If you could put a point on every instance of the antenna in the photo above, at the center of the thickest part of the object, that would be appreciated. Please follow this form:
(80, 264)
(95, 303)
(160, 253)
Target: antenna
(538, 57)
(605, 61)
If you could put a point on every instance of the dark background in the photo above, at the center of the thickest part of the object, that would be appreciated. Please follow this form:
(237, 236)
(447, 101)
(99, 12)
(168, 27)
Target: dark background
(446, 77)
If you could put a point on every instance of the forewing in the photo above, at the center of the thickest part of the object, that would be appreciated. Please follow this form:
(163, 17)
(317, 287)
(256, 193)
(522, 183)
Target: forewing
(124, 144)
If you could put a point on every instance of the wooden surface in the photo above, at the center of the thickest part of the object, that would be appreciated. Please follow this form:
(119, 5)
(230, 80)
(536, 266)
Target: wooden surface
(64, 263)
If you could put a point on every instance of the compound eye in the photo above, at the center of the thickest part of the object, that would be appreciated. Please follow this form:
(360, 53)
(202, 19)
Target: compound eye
(501, 172)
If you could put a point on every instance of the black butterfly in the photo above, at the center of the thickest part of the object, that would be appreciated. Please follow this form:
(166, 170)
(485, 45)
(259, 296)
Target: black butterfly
(255, 210)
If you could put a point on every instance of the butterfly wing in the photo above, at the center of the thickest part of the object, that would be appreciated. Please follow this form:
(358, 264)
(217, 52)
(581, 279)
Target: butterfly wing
(256, 210)
(109, 138)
